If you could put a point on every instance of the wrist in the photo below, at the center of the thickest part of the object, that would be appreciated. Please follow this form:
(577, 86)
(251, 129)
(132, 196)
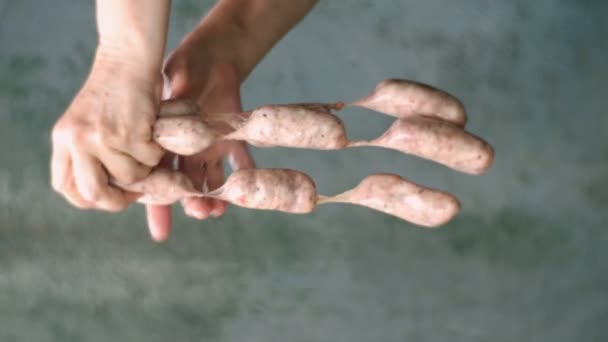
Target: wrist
(127, 63)
(111, 71)
(133, 33)
(256, 26)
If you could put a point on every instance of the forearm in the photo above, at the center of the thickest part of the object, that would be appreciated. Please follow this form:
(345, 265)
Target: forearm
(248, 28)
(133, 32)
(262, 23)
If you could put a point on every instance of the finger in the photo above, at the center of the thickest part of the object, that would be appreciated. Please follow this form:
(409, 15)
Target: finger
(178, 107)
(75, 199)
(214, 173)
(72, 195)
(121, 167)
(92, 183)
(196, 207)
(131, 197)
(196, 168)
(159, 221)
(439, 141)
(226, 98)
(177, 82)
(215, 179)
(158, 217)
(166, 92)
(60, 167)
(146, 153)
(404, 99)
(239, 156)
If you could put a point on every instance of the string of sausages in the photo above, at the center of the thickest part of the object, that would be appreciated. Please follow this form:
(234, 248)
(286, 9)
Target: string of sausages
(429, 123)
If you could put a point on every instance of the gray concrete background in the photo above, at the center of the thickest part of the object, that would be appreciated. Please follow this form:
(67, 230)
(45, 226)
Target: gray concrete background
(527, 260)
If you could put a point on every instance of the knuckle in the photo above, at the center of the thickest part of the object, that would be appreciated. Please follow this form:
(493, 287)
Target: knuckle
(77, 137)
(70, 131)
(106, 133)
(57, 133)
(63, 134)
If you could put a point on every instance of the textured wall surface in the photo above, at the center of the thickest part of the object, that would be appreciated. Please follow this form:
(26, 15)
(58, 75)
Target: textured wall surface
(527, 260)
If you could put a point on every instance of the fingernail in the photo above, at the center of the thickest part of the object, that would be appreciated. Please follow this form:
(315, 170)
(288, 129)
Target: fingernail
(201, 215)
(217, 210)
(197, 214)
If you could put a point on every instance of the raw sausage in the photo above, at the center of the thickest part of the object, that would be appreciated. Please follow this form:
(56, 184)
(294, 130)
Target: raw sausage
(184, 135)
(295, 126)
(404, 99)
(436, 140)
(396, 196)
(269, 189)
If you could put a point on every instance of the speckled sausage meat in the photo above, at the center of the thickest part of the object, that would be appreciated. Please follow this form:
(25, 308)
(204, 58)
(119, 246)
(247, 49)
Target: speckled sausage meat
(403, 99)
(269, 189)
(163, 187)
(430, 124)
(436, 140)
(184, 135)
(263, 189)
(296, 126)
(393, 195)
(294, 192)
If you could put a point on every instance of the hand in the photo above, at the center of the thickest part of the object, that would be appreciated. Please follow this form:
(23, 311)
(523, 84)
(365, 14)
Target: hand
(215, 87)
(106, 132)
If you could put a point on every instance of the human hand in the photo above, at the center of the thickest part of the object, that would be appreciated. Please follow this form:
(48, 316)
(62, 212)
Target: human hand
(215, 88)
(208, 66)
(105, 135)
(106, 132)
